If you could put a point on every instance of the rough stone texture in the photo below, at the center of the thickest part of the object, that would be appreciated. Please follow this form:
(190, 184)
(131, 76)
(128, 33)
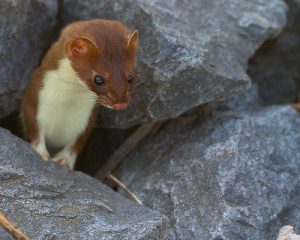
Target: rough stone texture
(229, 178)
(248, 100)
(191, 52)
(275, 66)
(25, 27)
(49, 202)
(290, 215)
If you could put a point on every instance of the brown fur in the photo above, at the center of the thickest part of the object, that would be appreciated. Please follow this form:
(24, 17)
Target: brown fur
(296, 106)
(111, 43)
(97, 46)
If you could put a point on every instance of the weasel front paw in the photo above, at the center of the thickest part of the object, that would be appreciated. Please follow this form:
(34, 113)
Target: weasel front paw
(65, 158)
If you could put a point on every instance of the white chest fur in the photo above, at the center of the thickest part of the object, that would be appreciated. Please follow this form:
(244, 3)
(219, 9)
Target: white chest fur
(65, 106)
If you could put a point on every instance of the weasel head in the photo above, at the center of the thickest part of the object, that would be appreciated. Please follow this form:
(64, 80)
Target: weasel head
(104, 59)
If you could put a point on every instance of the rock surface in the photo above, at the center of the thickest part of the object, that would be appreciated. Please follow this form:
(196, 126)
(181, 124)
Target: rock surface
(229, 178)
(49, 202)
(290, 215)
(275, 66)
(24, 33)
(249, 99)
(190, 52)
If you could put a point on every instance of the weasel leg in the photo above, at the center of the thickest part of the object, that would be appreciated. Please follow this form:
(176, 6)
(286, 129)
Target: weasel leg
(66, 157)
(40, 147)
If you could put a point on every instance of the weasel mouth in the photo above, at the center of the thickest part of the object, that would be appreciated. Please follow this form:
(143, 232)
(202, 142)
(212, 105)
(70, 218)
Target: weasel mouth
(107, 105)
(120, 106)
(117, 106)
(105, 102)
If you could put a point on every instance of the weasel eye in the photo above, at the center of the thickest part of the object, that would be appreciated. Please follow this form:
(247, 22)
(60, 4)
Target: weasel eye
(98, 80)
(130, 78)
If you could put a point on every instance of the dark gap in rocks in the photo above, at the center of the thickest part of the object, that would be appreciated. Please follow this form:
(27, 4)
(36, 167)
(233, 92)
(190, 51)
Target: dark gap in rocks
(55, 31)
(59, 17)
(275, 66)
(12, 123)
(100, 146)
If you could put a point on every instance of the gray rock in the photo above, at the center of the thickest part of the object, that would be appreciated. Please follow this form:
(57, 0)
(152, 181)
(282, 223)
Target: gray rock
(191, 52)
(25, 28)
(290, 215)
(229, 178)
(277, 85)
(248, 100)
(49, 202)
(275, 67)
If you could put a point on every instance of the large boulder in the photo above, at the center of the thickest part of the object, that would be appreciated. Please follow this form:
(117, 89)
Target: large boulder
(190, 52)
(25, 29)
(49, 202)
(233, 177)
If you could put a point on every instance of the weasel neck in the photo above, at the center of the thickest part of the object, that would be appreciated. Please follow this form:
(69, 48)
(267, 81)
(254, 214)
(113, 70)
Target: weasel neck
(65, 84)
(65, 105)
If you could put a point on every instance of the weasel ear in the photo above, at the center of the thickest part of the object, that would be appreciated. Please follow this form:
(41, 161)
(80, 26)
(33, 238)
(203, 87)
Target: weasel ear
(80, 47)
(132, 43)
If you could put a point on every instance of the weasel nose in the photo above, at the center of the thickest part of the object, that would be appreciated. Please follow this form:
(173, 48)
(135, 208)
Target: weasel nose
(120, 106)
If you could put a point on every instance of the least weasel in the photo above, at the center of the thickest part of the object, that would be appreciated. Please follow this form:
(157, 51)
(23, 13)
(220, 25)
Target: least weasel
(92, 63)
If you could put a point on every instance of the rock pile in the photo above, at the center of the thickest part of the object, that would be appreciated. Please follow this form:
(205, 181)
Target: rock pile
(233, 174)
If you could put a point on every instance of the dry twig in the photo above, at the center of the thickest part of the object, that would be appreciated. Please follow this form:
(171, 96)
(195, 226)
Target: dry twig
(121, 185)
(12, 229)
(125, 148)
